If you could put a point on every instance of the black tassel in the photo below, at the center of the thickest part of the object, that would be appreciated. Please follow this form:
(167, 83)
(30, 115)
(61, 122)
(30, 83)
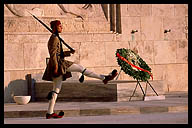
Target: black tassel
(81, 79)
(61, 113)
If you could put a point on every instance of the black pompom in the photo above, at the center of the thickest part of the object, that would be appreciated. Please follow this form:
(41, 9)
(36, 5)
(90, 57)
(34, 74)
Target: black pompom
(61, 113)
(114, 72)
(81, 79)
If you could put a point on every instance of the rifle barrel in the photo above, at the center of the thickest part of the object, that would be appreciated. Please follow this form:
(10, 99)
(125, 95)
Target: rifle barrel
(52, 31)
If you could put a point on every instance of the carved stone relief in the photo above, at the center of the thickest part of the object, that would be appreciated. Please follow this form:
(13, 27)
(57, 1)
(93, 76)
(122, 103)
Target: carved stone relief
(107, 12)
(76, 10)
(20, 10)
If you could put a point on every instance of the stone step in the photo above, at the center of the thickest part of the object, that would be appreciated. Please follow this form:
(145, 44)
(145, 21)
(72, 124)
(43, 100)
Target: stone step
(97, 112)
(94, 90)
(179, 103)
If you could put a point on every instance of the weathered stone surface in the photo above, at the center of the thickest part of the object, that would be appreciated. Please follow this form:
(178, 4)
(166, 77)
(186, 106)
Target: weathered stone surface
(5, 38)
(151, 28)
(34, 38)
(77, 37)
(97, 91)
(180, 9)
(134, 9)
(162, 9)
(15, 25)
(98, 27)
(72, 25)
(129, 24)
(182, 51)
(79, 92)
(159, 71)
(34, 55)
(124, 10)
(6, 79)
(177, 25)
(13, 57)
(92, 54)
(15, 75)
(165, 52)
(35, 26)
(103, 36)
(177, 80)
(139, 9)
(125, 30)
(52, 10)
(146, 9)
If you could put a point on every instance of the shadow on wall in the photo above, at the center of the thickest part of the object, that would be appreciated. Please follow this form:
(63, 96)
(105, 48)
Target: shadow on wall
(15, 88)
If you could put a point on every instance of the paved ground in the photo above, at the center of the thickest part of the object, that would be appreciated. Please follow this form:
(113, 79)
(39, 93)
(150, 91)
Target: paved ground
(174, 109)
(152, 118)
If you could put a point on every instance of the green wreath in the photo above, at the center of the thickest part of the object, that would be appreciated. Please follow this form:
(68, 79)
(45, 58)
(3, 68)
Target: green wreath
(136, 60)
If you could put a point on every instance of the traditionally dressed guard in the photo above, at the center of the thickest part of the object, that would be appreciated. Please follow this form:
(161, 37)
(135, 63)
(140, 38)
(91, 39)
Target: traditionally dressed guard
(58, 69)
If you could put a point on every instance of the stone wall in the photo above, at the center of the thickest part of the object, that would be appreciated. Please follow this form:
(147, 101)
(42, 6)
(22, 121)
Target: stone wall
(25, 41)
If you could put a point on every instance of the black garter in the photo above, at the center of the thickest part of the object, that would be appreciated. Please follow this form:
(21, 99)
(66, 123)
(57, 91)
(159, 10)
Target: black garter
(50, 95)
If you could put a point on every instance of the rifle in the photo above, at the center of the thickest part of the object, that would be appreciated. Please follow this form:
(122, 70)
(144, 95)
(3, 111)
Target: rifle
(72, 50)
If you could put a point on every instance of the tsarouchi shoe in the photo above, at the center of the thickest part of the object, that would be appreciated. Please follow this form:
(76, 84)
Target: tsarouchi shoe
(54, 115)
(111, 76)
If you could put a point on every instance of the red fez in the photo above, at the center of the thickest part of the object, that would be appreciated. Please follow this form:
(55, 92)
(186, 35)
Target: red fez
(54, 24)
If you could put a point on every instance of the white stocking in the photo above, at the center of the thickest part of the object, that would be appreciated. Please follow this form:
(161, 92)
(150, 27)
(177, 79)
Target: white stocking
(57, 83)
(79, 68)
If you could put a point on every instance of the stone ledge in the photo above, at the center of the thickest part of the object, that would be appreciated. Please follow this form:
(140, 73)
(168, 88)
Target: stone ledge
(95, 90)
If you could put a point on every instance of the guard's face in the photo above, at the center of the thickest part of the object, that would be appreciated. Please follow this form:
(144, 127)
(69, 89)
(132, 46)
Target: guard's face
(59, 28)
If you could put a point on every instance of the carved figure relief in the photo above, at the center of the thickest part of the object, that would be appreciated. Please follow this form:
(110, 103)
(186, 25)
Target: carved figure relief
(111, 12)
(20, 10)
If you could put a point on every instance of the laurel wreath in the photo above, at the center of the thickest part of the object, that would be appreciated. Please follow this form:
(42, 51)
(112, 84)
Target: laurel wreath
(136, 60)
